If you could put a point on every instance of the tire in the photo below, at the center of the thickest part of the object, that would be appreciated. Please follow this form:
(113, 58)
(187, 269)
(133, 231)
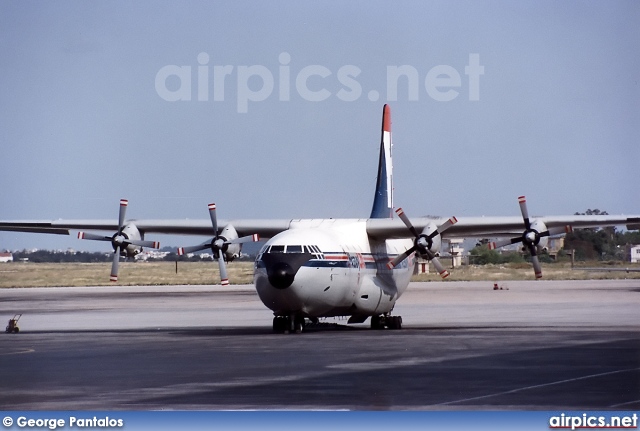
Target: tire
(395, 322)
(16, 330)
(279, 324)
(376, 322)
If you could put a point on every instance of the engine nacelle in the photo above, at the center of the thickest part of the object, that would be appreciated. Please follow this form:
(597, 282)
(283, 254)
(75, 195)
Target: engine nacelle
(231, 251)
(435, 243)
(131, 232)
(539, 227)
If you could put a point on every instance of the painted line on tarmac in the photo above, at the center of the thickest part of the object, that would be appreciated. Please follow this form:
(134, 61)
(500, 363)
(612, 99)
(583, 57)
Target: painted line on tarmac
(20, 352)
(543, 385)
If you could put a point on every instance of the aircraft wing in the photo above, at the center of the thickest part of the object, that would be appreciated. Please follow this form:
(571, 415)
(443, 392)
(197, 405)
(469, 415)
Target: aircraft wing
(264, 228)
(386, 228)
(489, 227)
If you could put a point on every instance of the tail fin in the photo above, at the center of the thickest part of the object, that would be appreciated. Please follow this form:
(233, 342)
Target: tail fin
(383, 199)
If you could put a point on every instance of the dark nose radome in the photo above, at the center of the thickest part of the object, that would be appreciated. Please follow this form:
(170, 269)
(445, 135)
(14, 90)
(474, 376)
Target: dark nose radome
(281, 275)
(282, 267)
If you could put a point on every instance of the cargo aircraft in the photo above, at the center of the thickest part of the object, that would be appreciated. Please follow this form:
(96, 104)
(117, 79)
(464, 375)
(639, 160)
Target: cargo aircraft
(315, 268)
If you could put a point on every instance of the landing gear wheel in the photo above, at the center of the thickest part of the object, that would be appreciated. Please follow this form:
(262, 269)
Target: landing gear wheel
(280, 324)
(394, 322)
(377, 322)
(288, 324)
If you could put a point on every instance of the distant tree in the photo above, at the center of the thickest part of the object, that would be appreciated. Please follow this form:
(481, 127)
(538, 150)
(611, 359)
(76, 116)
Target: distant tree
(172, 257)
(544, 258)
(49, 256)
(482, 255)
(593, 212)
(630, 237)
(512, 257)
(600, 243)
(482, 241)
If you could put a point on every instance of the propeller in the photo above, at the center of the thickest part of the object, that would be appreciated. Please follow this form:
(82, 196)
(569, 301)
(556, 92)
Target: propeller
(219, 244)
(423, 242)
(120, 240)
(531, 236)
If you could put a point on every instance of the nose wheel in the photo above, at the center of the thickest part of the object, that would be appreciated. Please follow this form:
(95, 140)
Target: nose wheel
(288, 324)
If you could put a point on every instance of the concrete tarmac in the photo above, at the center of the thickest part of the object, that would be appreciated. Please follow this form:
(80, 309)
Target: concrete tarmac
(571, 345)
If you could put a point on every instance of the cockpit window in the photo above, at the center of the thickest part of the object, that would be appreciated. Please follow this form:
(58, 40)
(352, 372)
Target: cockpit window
(311, 249)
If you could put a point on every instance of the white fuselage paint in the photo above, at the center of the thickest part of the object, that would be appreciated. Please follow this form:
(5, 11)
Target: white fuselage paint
(348, 277)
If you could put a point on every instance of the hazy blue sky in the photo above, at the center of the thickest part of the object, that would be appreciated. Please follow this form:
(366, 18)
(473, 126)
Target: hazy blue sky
(84, 122)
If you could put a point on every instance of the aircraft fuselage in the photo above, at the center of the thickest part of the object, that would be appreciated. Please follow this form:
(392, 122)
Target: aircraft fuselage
(324, 268)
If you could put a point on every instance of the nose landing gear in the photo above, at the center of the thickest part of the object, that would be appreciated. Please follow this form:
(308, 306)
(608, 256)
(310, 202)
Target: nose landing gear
(288, 324)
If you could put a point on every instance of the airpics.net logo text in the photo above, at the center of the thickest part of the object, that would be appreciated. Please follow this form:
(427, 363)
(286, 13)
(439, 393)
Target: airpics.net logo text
(257, 83)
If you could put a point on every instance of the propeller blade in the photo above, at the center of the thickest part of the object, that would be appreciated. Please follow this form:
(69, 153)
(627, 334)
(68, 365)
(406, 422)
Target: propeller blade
(443, 227)
(119, 241)
(249, 238)
(224, 280)
(438, 266)
(399, 258)
(149, 244)
(537, 269)
(446, 225)
(528, 238)
(93, 237)
(214, 218)
(557, 230)
(217, 244)
(123, 210)
(114, 265)
(525, 212)
(503, 242)
(407, 222)
(193, 249)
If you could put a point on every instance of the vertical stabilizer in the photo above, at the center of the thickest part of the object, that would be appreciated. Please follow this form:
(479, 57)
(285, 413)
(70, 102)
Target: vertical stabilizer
(383, 199)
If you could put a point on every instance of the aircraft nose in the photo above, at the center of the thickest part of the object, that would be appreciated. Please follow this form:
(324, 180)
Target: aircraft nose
(282, 267)
(281, 275)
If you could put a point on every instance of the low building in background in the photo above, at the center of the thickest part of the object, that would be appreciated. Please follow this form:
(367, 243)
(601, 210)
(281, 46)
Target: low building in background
(634, 254)
(6, 257)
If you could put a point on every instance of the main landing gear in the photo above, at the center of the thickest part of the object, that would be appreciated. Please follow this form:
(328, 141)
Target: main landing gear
(386, 321)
